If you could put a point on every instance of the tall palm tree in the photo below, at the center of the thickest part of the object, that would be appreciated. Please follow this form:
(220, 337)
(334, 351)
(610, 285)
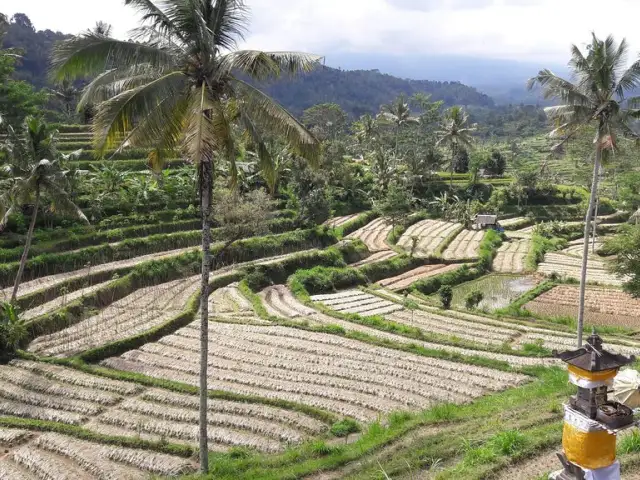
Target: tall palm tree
(34, 168)
(399, 114)
(454, 132)
(67, 93)
(595, 96)
(179, 82)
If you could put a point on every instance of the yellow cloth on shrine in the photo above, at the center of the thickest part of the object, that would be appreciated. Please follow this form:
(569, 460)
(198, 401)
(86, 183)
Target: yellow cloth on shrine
(594, 449)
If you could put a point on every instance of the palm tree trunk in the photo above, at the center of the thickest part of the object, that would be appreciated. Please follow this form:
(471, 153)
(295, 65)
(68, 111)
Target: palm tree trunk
(585, 250)
(206, 187)
(595, 225)
(453, 159)
(397, 138)
(27, 246)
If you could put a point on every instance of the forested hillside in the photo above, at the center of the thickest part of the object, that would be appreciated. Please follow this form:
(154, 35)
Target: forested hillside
(363, 91)
(35, 46)
(358, 92)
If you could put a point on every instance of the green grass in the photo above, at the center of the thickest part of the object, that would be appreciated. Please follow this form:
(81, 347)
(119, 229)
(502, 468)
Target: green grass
(477, 418)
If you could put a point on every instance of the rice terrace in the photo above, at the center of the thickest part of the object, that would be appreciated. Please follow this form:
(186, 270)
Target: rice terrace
(223, 263)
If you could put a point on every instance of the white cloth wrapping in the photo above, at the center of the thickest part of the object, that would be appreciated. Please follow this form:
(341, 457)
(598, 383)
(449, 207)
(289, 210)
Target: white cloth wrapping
(612, 472)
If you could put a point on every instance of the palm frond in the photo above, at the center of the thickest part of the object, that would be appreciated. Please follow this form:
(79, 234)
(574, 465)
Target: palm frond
(156, 17)
(116, 81)
(630, 80)
(91, 54)
(116, 116)
(267, 65)
(265, 160)
(200, 137)
(162, 127)
(272, 117)
(227, 19)
(60, 201)
(555, 86)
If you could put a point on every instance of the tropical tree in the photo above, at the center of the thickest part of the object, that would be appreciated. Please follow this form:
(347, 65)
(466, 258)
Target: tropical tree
(455, 132)
(399, 114)
(33, 164)
(596, 97)
(180, 82)
(366, 131)
(67, 94)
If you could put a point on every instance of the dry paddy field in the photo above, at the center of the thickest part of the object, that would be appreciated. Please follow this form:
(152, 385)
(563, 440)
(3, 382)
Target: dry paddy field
(602, 306)
(343, 376)
(403, 280)
(464, 246)
(380, 256)
(521, 233)
(280, 302)
(518, 334)
(340, 221)
(511, 256)
(512, 221)
(134, 314)
(357, 301)
(52, 280)
(53, 393)
(430, 235)
(36, 456)
(374, 235)
(568, 266)
(576, 247)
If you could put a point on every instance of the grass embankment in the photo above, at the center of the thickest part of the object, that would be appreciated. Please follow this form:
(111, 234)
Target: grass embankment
(458, 438)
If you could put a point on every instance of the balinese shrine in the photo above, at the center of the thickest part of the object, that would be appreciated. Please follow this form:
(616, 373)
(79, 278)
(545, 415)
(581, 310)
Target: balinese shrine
(591, 420)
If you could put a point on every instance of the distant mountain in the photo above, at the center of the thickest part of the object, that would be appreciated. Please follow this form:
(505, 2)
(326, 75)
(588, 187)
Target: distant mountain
(504, 80)
(364, 91)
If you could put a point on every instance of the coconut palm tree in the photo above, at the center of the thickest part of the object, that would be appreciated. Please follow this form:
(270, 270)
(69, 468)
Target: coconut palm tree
(33, 165)
(399, 114)
(181, 82)
(595, 97)
(67, 93)
(454, 132)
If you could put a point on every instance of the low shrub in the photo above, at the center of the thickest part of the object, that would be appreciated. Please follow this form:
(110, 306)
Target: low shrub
(473, 299)
(344, 427)
(12, 331)
(446, 295)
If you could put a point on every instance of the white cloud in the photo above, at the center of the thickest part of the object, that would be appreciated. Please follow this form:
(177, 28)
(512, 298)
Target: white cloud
(524, 30)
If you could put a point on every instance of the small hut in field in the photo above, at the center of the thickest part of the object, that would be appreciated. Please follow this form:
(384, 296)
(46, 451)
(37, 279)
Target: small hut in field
(483, 222)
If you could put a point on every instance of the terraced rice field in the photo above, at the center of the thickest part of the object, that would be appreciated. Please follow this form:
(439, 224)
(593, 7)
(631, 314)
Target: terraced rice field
(524, 334)
(357, 301)
(576, 247)
(511, 256)
(280, 301)
(340, 221)
(375, 257)
(60, 302)
(229, 304)
(430, 235)
(136, 313)
(374, 235)
(403, 280)
(52, 393)
(521, 233)
(327, 371)
(52, 280)
(35, 456)
(602, 306)
(512, 221)
(568, 266)
(464, 246)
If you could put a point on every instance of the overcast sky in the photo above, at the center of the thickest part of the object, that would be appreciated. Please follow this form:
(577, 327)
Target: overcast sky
(523, 30)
